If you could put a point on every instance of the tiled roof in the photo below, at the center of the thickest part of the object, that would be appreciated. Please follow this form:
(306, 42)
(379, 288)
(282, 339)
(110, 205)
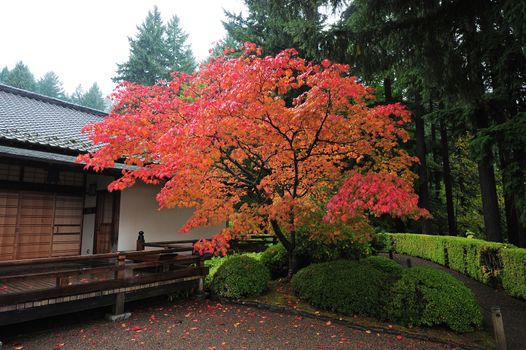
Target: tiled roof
(43, 121)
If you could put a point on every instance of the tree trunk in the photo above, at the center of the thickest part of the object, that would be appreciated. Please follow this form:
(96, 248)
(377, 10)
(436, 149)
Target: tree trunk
(510, 175)
(423, 187)
(448, 183)
(490, 205)
(388, 90)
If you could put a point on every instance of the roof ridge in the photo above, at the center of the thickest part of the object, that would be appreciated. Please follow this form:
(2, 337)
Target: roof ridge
(51, 100)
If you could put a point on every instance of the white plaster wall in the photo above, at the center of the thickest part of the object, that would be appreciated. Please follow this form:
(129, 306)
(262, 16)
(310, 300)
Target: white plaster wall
(88, 221)
(139, 211)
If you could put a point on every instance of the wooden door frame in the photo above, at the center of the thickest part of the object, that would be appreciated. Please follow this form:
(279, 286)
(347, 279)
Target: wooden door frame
(116, 199)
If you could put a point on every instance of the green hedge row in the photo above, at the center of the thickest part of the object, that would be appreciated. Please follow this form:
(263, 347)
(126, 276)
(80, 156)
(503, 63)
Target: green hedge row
(488, 262)
(379, 287)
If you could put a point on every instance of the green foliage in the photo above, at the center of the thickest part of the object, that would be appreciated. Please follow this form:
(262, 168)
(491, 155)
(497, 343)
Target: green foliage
(240, 276)
(215, 262)
(320, 241)
(20, 77)
(50, 85)
(276, 259)
(280, 24)
(422, 246)
(347, 287)
(93, 98)
(3, 74)
(425, 296)
(476, 258)
(156, 51)
(391, 268)
(381, 243)
(179, 53)
(514, 271)
(488, 262)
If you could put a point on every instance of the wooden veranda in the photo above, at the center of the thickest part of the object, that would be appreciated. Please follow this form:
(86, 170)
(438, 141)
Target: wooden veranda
(37, 288)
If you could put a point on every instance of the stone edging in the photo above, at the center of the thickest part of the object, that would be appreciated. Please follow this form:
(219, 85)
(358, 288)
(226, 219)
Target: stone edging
(295, 312)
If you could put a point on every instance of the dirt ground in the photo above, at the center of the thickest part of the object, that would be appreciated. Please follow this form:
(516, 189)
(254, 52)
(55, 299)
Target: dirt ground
(198, 324)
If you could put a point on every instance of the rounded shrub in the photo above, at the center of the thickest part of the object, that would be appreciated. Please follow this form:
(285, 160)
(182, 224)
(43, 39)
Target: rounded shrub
(240, 276)
(426, 296)
(392, 269)
(348, 287)
(275, 258)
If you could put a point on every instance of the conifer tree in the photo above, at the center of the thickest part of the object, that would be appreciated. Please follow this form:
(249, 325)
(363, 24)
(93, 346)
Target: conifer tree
(179, 54)
(93, 98)
(156, 51)
(50, 85)
(21, 77)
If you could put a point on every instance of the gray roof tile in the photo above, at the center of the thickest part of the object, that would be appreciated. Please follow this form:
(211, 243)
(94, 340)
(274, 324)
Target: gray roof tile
(41, 120)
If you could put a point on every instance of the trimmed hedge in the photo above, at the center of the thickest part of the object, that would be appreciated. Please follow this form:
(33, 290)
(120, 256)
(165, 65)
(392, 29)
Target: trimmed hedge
(392, 269)
(215, 262)
(487, 262)
(347, 287)
(240, 276)
(514, 271)
(422, 246)
(426, 296)
(276, 259)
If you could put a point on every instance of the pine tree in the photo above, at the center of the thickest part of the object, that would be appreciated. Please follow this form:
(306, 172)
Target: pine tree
(275, 25)
(93, 98)
(77, 95)
(179, 54)
(50, 85)
(21, 77)
(147, 62)
(156, 51)
(3, 74)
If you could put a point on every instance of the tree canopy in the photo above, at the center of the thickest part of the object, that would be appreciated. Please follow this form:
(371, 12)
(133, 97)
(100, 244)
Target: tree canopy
(260, 141)
(156, 51)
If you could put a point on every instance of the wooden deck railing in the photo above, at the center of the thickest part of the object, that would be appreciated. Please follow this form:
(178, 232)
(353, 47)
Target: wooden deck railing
(32, 283)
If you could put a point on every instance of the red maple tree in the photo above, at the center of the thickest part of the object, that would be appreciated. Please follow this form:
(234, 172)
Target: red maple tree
(259, 141)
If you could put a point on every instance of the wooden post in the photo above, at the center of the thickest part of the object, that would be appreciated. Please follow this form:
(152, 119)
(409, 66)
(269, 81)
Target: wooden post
(118, 313)
(120, 267)
(118, 306)
(498, 328)
(140, 241)
(201, 264)
(62, 281)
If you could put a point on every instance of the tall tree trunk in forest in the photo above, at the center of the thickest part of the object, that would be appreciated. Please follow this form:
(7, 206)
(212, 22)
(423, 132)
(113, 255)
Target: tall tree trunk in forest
(475, 92)
(423, 187)
(510, 175)
(448, 183)
(490, 205)
(388, 89)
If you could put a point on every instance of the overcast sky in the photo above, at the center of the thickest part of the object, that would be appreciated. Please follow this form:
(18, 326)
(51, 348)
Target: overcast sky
(83, 40)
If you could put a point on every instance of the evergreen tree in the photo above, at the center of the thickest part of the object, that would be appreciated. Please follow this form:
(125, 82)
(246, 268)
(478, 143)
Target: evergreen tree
(50, 85)
(77, 96)
(469, 62)
(93, 98)
(21, 77)
(275, 25)
(156, 51)
(179, 54)
(3, 74)
(147, 62)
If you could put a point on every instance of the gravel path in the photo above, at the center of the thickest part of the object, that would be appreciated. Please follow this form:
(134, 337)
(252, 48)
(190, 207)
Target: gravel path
(205, 325)
(513, 310)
